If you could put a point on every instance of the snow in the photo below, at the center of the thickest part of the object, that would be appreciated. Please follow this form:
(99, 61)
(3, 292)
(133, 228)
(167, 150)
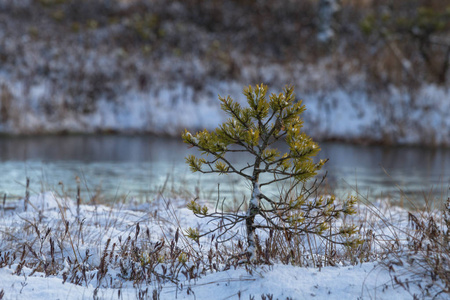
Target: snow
(350, 111)
(339, 113)
(255, 195)
(365, 281)
(369, 280)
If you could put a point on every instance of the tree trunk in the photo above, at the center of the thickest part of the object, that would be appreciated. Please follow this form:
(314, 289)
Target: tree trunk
(253, 210)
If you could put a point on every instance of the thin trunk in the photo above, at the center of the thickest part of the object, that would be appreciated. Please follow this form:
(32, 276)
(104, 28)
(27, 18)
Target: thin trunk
(253, 210)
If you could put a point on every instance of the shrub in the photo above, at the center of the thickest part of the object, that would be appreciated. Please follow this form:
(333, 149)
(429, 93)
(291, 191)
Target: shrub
(254, 130)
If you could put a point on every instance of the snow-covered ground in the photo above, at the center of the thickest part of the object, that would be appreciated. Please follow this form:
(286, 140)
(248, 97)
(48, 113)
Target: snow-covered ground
(52, 218)
(366, 281)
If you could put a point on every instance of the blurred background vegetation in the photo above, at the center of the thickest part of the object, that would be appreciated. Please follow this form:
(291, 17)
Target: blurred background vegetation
(68, 54)
(400, 42)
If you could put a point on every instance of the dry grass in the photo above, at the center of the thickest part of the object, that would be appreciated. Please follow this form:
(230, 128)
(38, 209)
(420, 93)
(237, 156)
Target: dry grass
(413, 245)
(114, 247)
(424, 259)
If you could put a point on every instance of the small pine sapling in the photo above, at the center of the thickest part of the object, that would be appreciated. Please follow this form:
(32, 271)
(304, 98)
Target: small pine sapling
(255, 130)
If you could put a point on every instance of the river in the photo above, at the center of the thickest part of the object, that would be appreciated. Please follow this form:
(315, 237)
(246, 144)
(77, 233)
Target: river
(139, 167)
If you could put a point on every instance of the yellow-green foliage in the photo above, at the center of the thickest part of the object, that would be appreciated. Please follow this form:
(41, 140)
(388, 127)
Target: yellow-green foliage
(192, 233)
(183, 258)
(253, 129)
(197, 209)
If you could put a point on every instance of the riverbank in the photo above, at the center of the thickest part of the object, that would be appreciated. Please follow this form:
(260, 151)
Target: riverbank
(138, 67)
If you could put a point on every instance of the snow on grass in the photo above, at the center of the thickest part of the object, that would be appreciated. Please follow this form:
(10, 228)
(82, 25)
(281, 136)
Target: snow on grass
(94, 255)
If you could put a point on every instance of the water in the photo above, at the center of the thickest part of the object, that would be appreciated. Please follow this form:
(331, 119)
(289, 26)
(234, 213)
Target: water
(139, 167)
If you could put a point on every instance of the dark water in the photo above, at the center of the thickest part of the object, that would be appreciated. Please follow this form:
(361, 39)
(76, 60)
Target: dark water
(141, 166)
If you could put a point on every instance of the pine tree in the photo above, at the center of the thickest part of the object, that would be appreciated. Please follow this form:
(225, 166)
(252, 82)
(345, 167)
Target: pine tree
(254, 130)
